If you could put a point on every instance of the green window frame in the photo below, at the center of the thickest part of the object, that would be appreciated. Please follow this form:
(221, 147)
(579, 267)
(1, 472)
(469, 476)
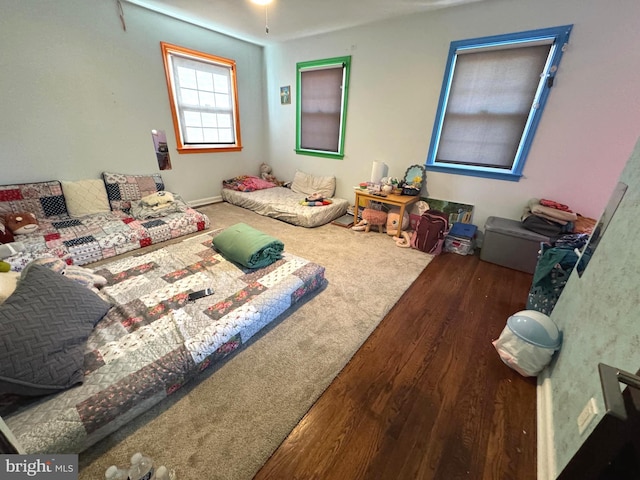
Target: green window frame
(321, 106)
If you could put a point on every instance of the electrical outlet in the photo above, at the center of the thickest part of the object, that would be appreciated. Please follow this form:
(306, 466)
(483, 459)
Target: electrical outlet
(589, 412)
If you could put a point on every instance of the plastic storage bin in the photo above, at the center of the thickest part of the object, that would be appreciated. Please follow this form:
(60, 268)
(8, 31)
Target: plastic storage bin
(508, 243)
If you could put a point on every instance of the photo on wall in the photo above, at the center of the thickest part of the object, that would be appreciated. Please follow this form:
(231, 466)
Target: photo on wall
(285, 95)
(161, 149)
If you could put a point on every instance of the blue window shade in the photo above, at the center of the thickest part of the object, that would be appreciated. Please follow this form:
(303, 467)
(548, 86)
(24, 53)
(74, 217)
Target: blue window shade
(493, 94)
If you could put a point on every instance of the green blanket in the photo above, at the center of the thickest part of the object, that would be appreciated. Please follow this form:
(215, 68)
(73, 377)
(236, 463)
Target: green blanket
(247, 246)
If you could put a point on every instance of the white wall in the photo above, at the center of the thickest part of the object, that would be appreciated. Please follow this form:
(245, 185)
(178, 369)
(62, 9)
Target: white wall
(588, 129)
(78, 95)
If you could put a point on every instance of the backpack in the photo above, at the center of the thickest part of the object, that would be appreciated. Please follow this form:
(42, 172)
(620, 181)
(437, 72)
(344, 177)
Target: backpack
(430, 232)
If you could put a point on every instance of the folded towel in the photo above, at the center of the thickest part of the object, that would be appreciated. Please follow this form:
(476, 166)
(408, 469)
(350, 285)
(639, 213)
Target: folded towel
(247, 246)
(550, 213)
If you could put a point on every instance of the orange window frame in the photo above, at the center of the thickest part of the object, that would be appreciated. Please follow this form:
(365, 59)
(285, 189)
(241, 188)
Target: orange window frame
(167, 51)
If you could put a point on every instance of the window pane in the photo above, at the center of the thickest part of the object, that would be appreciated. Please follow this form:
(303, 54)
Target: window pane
(189, 97)
(187, 77)
(192, 119)
(221, 83)
(222, 101)
(194, 135)
(207, 99)
(210, 135)
(226, 135)
(321, 109)
(205, 81)
(489, 103)
(209, 120)
(224, 121)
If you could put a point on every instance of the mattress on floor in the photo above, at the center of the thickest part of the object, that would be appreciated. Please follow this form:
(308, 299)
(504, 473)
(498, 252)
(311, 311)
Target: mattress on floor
(284, 204)
(154, 340)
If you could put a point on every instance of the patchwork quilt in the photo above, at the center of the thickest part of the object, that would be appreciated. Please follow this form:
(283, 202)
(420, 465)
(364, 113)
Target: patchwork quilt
(87, 239)
(154, 340)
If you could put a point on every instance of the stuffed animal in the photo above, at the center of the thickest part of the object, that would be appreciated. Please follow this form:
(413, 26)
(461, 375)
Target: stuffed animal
(371, 217)
(21, 223)
(393, 224)
(265, 174)
(82, 275)
(158, 199)
(393, 221)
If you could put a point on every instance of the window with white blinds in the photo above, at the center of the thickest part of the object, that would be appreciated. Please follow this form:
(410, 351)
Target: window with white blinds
(322, 91)
(492, 99)
(203, 94)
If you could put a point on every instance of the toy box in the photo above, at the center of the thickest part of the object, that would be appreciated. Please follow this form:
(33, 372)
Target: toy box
(508, 243)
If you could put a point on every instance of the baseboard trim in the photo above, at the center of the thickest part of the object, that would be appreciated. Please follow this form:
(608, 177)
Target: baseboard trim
(546, 457)
(205, 201)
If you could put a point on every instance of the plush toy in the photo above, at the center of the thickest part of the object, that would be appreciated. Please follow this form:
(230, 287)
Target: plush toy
(82, 275)
(393, 221)
(21, 223)
(265, 174)
(158, 199)
(371, 217)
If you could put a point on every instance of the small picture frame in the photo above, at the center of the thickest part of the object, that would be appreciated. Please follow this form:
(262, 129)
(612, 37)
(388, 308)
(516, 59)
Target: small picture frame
(285, 95)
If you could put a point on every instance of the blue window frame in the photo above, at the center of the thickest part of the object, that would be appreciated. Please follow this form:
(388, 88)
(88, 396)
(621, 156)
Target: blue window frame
(493, 94)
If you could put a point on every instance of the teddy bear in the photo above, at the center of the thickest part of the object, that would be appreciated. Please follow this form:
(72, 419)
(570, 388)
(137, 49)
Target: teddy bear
(265, 174)
(21, 223)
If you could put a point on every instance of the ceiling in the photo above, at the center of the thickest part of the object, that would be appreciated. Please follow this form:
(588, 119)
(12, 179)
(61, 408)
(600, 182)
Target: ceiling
(287, 19)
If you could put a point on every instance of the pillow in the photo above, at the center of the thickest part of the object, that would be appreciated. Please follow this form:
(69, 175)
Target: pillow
(310, 184)
(8, 284)
(44, 327)
(121, 188)
(85, 197)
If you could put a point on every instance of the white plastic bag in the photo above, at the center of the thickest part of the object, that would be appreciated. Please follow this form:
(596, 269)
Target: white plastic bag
(525, 358)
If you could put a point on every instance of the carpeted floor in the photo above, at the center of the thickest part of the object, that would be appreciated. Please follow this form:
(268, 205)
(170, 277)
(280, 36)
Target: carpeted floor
(227, 422)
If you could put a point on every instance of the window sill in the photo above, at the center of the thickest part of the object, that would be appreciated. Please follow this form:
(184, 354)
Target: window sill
(483, 173)
(318, 153)
(187, 149)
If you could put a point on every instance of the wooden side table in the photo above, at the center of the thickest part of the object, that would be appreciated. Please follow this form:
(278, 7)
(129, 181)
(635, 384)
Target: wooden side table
(401, 201)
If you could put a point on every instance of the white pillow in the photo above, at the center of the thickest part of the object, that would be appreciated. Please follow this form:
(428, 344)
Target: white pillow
(84, 197)
(309, 184)
(8, 284)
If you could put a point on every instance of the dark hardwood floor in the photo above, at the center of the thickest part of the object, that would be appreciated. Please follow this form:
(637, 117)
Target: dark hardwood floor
(426, 396)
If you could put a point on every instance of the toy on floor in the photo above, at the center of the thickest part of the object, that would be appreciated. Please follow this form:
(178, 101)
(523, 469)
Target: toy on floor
(394, 223)
(371, 217)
